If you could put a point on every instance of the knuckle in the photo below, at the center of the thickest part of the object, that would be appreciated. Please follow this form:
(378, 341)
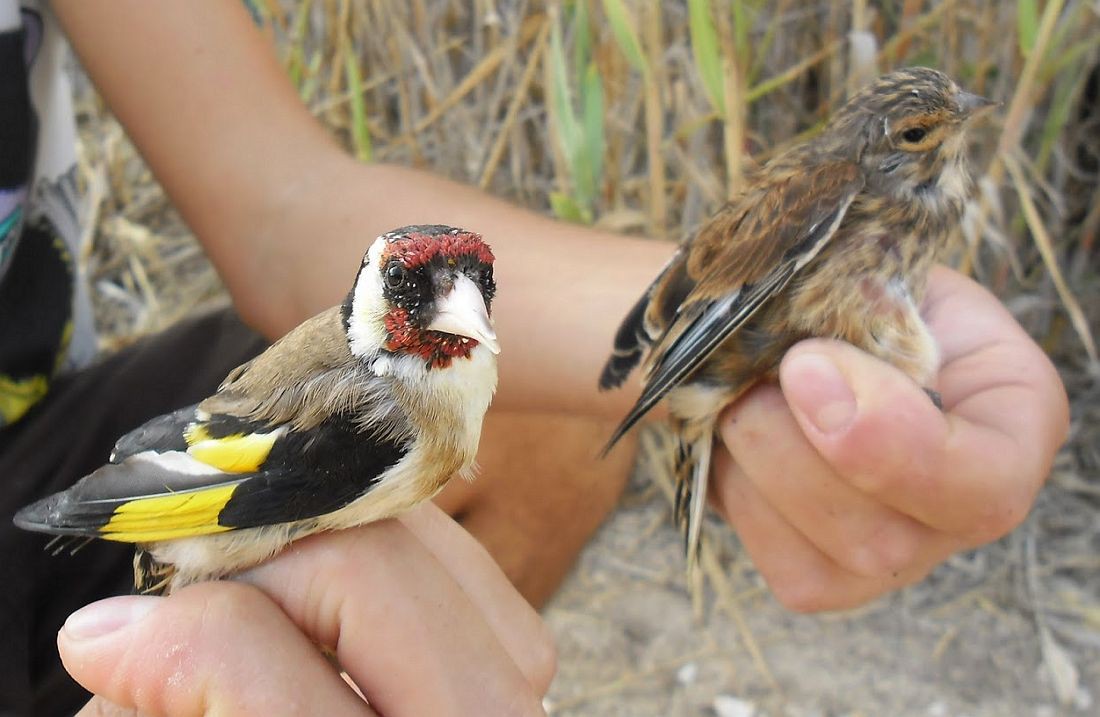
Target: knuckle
(871, 460)
(801, 594)
(201, 615)
(889, 449)
(797, 599)
(840, 593)
(516, 696)
(223, 604)
(889, 550)
(1004, 514)
(345, 558)
(1015, 480)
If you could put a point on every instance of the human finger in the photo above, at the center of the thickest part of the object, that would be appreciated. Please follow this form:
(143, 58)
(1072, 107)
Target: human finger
(406, 632)
(952, 471)
(856, 531)
(802, 577)
(198, 652)
(517, 626)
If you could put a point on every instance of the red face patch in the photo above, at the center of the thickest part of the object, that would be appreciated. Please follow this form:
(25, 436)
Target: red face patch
(435, 347)
(415, 249)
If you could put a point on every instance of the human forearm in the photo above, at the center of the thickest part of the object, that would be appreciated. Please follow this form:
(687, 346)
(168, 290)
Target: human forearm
(285, 214)
(202, 95)
(562, 288)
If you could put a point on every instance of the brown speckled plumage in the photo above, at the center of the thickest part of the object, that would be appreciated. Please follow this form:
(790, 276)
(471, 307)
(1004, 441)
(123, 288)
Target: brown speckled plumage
(835, 238)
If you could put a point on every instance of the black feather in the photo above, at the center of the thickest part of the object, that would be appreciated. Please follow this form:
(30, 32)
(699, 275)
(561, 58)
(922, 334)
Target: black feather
(710, 327)
(310, 474)
(306, 474)
(632, 337)
(161, 434)
(630, 340)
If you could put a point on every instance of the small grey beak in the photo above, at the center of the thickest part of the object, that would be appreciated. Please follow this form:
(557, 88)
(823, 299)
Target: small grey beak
(462, 312)
(971, 104)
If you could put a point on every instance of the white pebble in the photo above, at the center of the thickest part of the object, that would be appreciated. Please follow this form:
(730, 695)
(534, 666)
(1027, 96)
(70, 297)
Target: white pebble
(729, 706)
(687, 674)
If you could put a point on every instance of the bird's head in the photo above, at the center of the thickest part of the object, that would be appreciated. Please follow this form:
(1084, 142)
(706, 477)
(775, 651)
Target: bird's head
(910, 126)
(423, 291)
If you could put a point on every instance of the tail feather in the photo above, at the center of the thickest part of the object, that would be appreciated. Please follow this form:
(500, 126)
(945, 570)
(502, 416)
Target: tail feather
(150, 576)
(62, 543)
(692, 468)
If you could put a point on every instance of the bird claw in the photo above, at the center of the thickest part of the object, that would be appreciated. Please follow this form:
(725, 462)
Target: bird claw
(935, 397)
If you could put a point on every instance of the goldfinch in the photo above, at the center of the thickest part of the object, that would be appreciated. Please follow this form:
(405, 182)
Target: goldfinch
(834, 238)
(356, 415)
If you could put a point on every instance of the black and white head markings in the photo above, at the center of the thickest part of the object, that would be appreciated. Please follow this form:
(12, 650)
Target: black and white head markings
(424, 291)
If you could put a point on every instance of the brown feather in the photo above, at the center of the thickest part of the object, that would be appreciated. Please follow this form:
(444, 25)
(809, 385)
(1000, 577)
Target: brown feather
(835, 238)
(303, 378)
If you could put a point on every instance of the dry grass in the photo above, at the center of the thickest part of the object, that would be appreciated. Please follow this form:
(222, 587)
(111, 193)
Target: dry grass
(640, 117)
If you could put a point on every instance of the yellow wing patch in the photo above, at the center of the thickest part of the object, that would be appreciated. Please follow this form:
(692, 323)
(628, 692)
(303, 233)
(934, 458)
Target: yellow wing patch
(238, 453)
(164, 517)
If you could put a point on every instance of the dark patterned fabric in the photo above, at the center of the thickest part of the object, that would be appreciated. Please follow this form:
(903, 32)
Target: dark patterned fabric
(86, 411)
(45, 315)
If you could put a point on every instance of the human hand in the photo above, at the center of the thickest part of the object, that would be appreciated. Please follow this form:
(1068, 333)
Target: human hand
(417, 613)
(845, 486)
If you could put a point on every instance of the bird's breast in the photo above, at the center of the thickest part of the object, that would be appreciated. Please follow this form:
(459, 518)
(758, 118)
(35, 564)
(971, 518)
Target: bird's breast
(449, 404)
(868, 290)
(446, 407)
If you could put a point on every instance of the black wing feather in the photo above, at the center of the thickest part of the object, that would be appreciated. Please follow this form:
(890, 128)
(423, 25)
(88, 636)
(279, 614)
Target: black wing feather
(308, 475)
(630, 341)
(160, 434)
(632, 337)
(713, 322)
(304, 476)
(710, 328)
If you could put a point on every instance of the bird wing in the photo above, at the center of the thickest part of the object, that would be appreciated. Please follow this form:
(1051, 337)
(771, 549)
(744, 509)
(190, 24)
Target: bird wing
(301, 379)
(745, 255)
(223, 464)
(232, 474)
(637, 330)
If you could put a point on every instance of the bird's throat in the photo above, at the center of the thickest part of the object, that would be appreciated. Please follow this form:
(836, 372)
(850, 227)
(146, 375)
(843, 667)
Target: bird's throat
(435, 347)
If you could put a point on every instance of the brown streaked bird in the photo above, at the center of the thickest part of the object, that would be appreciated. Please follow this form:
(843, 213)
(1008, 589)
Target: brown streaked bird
(834, 238)
(356, 415)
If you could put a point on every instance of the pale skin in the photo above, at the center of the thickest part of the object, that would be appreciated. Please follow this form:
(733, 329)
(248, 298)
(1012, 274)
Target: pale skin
(833, 520)
(419, 591)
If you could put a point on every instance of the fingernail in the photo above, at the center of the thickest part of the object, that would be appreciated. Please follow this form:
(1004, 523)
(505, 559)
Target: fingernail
(815, 386)
(107, 616)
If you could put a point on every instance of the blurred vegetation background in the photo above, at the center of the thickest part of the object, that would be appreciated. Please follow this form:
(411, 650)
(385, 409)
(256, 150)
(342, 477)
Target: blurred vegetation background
(642, 116)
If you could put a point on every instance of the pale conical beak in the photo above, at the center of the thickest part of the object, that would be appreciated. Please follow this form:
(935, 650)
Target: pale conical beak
(462, 312)
(971, 104)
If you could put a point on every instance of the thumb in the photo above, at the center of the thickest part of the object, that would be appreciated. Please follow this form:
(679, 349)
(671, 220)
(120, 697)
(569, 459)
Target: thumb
(873, 424)
(195, 653)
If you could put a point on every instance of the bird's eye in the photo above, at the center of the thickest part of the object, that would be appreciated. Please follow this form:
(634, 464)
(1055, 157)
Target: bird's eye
(395, 275)
(914, 134)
